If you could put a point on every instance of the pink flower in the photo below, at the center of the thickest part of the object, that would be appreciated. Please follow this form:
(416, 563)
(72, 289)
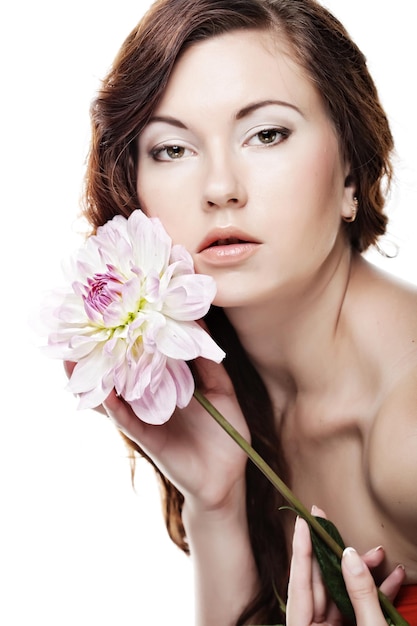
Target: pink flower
(129, 319)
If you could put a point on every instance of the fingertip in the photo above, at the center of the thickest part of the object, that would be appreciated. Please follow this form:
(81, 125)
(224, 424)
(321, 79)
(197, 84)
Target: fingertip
(392, 584)
(374, 557)
(397, 577)
(69, 367)
(301, 538)
(112, 401)
(317, 512)
(362, 590)
(300, 525)
(353, 562)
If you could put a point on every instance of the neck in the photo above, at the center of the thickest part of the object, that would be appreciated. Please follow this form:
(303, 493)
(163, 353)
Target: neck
(292, 338)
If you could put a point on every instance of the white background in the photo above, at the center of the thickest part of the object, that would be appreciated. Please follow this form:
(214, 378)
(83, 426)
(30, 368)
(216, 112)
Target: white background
(77, 545)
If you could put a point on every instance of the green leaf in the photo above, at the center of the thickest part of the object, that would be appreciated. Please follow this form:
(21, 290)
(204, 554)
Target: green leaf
(330, 568)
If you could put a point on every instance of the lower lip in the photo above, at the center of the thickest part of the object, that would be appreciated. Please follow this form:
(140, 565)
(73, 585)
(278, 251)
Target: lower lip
(228, 255)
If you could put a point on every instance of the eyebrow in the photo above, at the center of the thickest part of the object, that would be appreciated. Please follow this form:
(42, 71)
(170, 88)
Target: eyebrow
(247, 110)
(263, 103)
(166, 119)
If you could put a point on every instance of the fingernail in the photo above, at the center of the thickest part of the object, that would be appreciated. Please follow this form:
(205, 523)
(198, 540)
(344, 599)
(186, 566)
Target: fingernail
(314, 510)
(373, 550)
(353, 561)
(401, 566)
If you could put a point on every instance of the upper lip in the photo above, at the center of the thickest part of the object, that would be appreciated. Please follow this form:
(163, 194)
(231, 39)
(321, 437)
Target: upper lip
(224, 236)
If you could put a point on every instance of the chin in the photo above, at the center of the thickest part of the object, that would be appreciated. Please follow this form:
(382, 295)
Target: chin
(232, 298)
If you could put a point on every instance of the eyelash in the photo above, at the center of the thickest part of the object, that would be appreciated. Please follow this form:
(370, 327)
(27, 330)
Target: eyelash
(280, 133)
(156, 152)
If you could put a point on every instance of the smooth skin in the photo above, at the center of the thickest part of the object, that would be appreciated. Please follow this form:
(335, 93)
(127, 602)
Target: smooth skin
(241, 151)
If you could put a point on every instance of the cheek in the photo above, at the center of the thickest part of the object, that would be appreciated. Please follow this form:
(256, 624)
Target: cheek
(150, 195)
(157, 201)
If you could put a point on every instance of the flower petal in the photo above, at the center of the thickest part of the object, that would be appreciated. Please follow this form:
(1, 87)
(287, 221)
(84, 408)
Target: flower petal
(187, 340)
(184, 382)
(128, 318)
(158, 407)
(189, 297)
(151, 243)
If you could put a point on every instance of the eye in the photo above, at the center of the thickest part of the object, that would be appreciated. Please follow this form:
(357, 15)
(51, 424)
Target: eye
(268, 137)
(170, 152)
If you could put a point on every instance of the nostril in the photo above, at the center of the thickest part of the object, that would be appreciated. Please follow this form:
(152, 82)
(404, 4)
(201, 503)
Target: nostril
(223, 203)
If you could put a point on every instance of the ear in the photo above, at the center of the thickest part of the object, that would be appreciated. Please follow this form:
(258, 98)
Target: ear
(350, 202)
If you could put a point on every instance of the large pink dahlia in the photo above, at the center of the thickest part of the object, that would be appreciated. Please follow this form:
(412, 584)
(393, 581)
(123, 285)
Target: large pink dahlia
(128, 320)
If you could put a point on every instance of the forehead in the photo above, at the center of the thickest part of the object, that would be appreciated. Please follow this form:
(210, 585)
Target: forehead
(236, 66)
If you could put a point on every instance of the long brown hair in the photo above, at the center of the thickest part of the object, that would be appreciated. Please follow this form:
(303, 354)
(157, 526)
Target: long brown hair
(125, 102)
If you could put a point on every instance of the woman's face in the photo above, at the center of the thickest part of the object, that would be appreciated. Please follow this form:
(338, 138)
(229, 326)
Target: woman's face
(242, 165)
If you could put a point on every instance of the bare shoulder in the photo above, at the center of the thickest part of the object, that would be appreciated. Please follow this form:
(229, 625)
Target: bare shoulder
(385, 314)
(389, 309)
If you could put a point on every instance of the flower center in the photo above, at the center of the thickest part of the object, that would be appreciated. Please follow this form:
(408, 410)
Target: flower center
(103, 289)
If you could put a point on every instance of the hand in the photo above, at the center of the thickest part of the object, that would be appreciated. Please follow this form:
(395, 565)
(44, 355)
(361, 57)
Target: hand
(191, 449)
(308, 603)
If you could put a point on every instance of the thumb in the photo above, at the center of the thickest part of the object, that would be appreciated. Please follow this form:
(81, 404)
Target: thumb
(362, 590)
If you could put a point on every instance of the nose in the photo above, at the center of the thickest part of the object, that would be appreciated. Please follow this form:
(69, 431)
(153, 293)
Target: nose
(224, 185)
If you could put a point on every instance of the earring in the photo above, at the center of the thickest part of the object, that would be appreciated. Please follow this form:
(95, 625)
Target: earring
(354, 212)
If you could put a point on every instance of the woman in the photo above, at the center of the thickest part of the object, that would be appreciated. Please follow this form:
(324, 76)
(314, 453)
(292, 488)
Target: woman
(253, 130)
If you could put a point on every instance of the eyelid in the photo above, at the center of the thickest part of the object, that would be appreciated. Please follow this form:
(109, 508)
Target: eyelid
(282, 131)
(159, 148)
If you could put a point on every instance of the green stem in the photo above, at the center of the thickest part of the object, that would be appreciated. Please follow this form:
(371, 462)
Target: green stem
(289, 496)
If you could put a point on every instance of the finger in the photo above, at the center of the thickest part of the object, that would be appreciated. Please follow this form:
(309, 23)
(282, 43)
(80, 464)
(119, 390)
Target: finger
(323, 609)
(318, 512)
(362, 590)
(320, 596)
(123, 417)
(211, 377)
(374, 557)
(69, 367)
(300, 582)
(391, 585)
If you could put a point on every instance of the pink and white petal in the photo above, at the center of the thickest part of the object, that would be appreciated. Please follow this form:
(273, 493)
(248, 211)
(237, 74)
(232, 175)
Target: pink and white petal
(96, 396)
(166, 277)
(178, 340)
(81, 346)
(71, 310)
(89, 372)
(183, 379)
(151, 243)
(158, 368)
(187, 340)
(183, 259)
(189, 297)
(57, 351)
(152, 285)
(132, 377)
(132, 293)
(208, 347)
(60, 347)
(114, 315)
(92, 314)
(124, 381)
(157, 407)
(152, 329)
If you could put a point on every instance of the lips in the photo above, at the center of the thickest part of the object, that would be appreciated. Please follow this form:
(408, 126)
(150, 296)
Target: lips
(225, 237)
(226, 242)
